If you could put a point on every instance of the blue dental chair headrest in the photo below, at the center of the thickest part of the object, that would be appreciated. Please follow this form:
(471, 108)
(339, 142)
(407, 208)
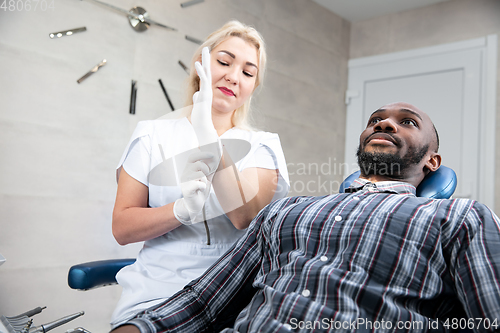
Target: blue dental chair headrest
(439, 184)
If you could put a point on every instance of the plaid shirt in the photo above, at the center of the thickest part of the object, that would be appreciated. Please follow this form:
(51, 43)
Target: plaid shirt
(375, 259)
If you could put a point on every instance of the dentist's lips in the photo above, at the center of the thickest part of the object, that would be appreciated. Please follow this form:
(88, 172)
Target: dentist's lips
(226, 91)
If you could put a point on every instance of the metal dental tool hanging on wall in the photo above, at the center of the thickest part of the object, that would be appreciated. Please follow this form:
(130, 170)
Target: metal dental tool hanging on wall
(69, 32)
(166, 95)
(190, 3)
(92, 71)
(184, 67)
(133, 97)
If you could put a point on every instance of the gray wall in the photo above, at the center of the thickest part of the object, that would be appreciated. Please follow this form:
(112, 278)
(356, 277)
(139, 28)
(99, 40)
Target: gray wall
(61, 141)
(445, 22)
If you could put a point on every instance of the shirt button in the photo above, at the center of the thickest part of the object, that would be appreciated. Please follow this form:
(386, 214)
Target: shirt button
(355, 198)
(287, 326)
(338, 218)
(306, 293)
(323, 258)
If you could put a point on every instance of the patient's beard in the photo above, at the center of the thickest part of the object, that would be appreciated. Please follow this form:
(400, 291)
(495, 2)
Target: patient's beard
(389, 165)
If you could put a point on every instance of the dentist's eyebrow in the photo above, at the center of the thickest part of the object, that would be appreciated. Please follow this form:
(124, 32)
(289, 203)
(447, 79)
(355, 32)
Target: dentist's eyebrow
(234, 57)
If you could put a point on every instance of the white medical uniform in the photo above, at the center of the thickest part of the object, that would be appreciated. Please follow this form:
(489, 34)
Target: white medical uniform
(155, 157)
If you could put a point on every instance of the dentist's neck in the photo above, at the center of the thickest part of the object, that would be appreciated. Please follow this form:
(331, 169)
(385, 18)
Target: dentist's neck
(222, 121)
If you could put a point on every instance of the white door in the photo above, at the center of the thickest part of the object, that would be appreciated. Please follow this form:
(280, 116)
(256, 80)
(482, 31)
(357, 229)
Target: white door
(451, 83)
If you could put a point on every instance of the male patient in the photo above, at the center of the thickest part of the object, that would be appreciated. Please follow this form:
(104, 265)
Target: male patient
(377, 258)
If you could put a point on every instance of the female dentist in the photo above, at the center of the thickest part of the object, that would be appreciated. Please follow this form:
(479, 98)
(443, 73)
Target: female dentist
(189, 183)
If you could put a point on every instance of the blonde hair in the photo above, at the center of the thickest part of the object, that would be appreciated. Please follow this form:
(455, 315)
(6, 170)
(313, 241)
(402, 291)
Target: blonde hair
(240, 117)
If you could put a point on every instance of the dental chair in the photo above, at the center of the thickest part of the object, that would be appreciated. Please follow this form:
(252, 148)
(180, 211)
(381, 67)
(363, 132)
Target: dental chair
(437, 185)
(440, 184)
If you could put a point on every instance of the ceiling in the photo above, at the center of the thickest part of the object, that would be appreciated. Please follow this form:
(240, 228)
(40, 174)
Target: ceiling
(358, 10)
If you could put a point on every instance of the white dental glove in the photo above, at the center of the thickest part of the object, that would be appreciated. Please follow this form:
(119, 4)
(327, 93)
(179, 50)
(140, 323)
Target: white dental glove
(195, 188)
(201, 116)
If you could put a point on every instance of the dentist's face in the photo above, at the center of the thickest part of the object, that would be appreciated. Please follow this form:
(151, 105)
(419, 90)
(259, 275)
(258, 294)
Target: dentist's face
(234, 67)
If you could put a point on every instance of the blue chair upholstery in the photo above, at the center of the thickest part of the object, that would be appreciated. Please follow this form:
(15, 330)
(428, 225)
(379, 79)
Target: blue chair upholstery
(96, 273)
(440, 184)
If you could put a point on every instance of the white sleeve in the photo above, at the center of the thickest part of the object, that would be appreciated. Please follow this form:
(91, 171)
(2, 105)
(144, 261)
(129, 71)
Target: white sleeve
(137, 163)
(267, 153)
(136, 159)
(263, 157)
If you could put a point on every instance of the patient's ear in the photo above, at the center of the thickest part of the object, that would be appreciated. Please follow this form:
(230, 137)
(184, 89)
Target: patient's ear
(433, 163)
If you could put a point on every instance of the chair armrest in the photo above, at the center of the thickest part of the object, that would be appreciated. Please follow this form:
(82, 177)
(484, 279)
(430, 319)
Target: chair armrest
(96, 274)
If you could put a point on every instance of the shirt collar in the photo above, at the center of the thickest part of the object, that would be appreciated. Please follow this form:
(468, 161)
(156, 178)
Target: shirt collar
(385, 186)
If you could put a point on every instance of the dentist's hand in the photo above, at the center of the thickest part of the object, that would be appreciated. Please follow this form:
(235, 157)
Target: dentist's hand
(201, 116)
(195, 188)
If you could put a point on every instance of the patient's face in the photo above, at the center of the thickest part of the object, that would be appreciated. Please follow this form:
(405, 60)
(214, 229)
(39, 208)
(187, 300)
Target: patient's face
(399, 134)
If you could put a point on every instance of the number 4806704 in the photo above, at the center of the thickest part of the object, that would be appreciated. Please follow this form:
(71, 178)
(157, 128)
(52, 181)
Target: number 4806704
(27, 5)
(478, 323)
